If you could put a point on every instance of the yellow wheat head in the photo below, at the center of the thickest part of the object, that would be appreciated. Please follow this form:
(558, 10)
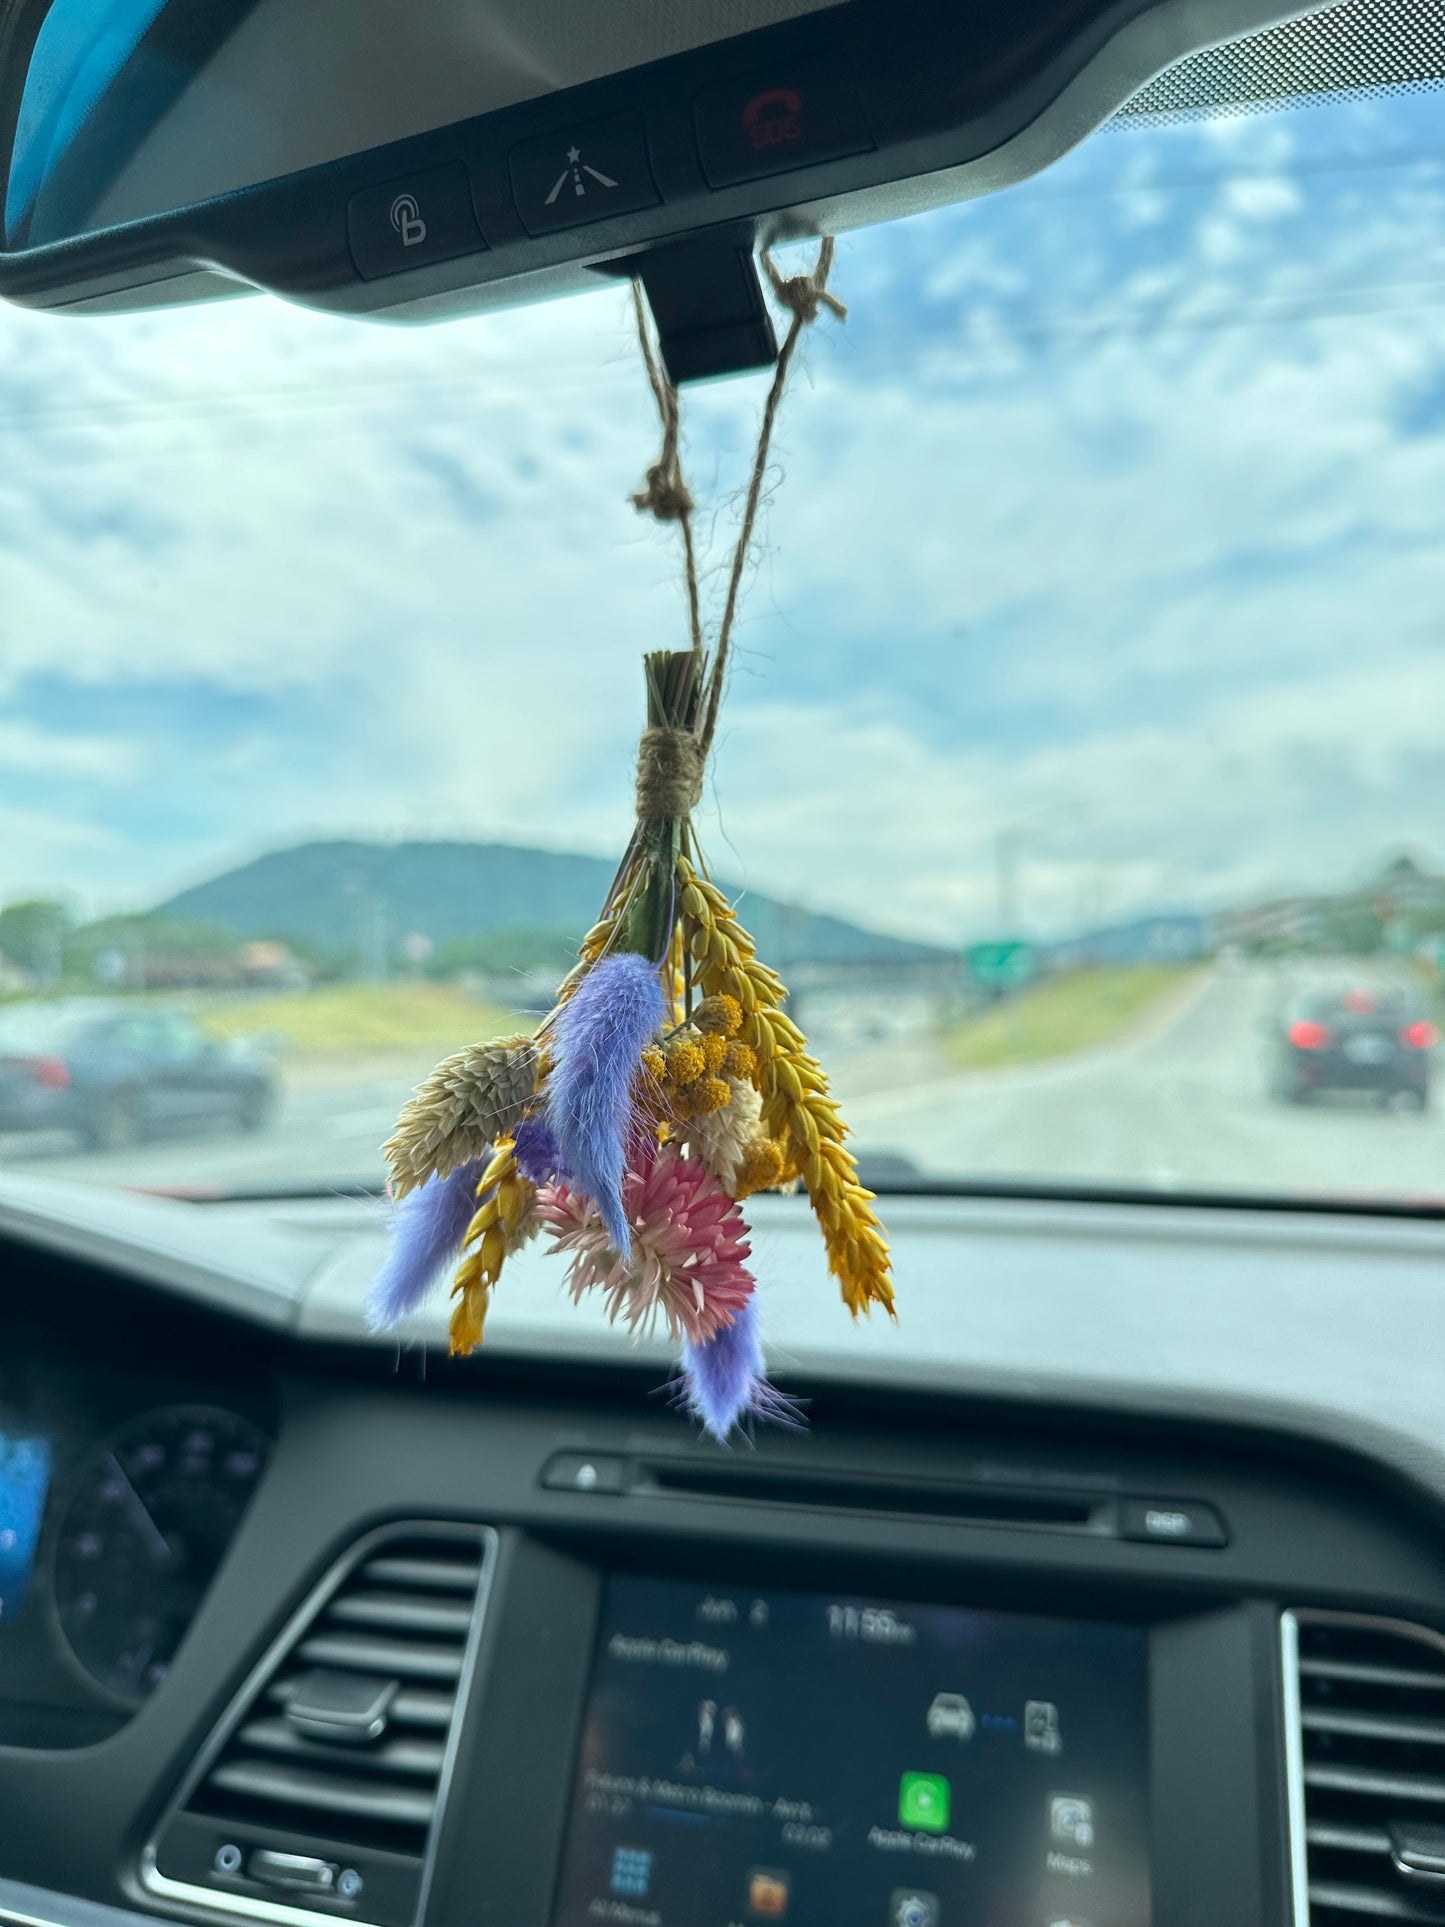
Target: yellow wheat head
(501, 1223)
(797, 1110)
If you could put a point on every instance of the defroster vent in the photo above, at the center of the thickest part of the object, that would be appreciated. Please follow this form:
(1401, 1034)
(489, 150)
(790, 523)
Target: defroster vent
(1367, 1766)
(320, 1792)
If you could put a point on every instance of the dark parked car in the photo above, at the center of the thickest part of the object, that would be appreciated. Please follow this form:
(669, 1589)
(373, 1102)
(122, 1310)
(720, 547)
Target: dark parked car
(115, 1074)
(1355, 1040)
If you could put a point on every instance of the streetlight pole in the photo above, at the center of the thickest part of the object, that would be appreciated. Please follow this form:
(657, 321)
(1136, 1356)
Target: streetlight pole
(1006, 848)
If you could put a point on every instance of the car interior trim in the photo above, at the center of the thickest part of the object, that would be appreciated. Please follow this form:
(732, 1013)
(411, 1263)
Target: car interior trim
(1294, 1768)
(281, 1914)
(24, 1906)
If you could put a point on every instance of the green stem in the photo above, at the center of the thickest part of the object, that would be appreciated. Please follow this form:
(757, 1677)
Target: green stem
(674, 692)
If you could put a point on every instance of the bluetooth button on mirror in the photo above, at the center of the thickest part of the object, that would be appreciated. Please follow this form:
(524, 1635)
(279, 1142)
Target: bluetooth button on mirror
(425, 217)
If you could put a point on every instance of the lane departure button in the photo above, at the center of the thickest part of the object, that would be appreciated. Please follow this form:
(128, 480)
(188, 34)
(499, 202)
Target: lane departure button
(1171, 1522)
(423, 217)
(777, 119)
(582, 174)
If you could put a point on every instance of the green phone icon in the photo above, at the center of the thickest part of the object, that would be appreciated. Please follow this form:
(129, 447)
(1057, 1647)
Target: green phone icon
(923, 1800)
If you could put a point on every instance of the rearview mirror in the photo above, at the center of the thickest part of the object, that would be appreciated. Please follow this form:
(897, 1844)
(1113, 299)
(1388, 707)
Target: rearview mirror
(410, 159)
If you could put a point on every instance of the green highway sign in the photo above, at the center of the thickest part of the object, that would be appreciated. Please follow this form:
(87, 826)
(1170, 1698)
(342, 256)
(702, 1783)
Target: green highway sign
(1002, 964)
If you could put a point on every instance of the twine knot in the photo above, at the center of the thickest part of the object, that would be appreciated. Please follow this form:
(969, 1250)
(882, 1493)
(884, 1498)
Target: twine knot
(803, 294)
(666, 494)
(669, 774)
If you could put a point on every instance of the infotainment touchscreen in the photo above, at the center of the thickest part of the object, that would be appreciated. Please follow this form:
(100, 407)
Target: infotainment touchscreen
(828, 1761)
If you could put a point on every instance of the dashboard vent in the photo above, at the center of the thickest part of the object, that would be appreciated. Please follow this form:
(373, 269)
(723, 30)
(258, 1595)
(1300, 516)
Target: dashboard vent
(1367, 1755)
(320, 1790)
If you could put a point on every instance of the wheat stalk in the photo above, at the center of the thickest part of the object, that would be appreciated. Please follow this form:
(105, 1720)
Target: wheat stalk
(505, 1219)
(796, 1106)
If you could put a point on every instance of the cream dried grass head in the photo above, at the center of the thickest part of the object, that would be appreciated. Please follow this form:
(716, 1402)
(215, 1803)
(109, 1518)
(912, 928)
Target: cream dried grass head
(469, 1101)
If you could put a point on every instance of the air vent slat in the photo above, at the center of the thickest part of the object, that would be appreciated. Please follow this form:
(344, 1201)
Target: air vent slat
(414, 1706)
(396, 1658)
(1397, 1678)
(323, 1793)
(338, 1747)
(1368, 1766)
(395, 1612)
(425, 1575)
(1375, 1786)
(1348, 1839)
(1367, 1903)
(411, 1759)
(1374, 1726)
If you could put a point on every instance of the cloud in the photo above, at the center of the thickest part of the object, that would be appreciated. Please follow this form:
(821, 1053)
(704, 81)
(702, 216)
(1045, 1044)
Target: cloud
(1111, 514)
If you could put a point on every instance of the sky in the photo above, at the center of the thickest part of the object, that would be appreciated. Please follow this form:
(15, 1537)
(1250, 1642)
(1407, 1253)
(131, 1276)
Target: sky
(1109, 523)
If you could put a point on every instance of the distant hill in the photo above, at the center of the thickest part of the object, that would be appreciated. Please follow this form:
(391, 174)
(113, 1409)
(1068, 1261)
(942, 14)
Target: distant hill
(343, 899)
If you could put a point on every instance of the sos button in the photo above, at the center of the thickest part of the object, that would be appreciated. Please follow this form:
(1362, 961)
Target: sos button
(777, 119)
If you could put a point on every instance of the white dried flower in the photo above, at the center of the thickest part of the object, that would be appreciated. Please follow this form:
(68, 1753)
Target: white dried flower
(720, 1138)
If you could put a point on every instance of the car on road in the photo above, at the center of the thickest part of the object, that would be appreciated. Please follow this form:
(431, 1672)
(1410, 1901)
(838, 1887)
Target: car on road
(114, 1074)
(1375, 1040)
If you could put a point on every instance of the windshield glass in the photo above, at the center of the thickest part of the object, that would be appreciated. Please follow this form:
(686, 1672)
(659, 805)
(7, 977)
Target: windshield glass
(1081, 770)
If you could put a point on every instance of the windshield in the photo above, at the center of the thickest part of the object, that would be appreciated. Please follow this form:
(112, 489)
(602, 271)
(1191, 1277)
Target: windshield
(1081, 770)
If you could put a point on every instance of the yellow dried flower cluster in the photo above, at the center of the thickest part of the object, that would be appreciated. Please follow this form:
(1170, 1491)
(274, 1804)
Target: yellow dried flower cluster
(797, 1110)
(503, 1223)
(683, 1060)
(720, 1015)
(762, 1167)
(684, 1074)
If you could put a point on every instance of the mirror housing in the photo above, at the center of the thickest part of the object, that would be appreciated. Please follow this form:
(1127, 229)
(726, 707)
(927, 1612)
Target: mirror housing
(674, 170)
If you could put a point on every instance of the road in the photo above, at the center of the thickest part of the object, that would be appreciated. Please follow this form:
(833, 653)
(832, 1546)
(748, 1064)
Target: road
(1179, 1103)
(324, 1134)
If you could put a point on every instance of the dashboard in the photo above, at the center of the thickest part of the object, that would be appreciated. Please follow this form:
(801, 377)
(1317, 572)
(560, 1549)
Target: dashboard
(296, 1627)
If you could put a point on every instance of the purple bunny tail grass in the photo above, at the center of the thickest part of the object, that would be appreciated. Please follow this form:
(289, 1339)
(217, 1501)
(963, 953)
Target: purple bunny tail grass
(536, 1152)
(597, 1046)
(725, 1382)
(427, 1231)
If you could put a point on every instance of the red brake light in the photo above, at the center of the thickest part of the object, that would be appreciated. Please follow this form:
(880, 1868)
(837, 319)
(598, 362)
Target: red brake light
(1359, 1002)
(50, 1072)
(1420, 1036)
(1308, 1035)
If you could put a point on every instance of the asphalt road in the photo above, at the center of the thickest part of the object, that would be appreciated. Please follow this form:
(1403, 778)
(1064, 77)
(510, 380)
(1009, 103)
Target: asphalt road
(1180, 1103)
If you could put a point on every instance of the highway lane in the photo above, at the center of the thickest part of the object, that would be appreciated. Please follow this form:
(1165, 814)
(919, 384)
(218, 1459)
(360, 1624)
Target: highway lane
(324, 1134)
(1180, 1103)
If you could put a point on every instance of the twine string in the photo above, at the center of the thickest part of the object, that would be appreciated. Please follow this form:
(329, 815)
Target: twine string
(667, 497)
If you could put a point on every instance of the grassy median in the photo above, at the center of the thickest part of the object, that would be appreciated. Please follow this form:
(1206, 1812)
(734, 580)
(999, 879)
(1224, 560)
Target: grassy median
(365, 1020)
(1071, 1013)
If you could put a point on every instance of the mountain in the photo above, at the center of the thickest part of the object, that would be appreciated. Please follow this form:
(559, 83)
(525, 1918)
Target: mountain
(345, 899)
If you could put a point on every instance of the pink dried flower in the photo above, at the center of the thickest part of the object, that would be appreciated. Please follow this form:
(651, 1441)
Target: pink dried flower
(689, 1244)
